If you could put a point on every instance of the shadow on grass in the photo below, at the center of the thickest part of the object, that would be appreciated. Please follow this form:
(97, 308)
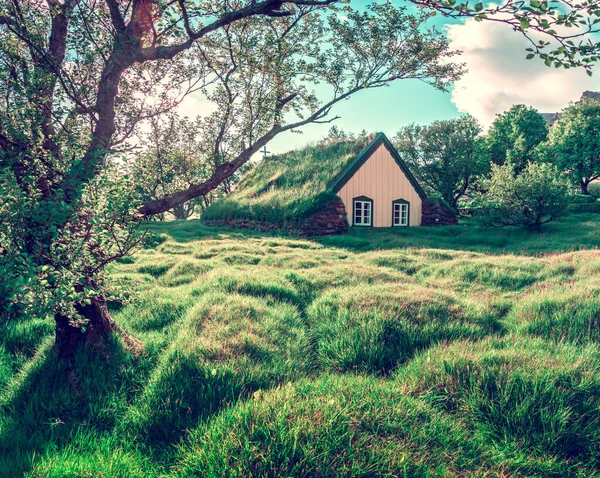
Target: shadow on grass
(48, 401)
(574, 232)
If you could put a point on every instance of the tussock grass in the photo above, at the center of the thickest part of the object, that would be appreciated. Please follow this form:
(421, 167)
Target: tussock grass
(373, 328)
(228, 347)
(333, 426)
(538, 403)
(423, 352)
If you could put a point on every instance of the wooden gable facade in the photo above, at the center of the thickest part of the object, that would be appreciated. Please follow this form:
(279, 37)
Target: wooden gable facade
(378, 190)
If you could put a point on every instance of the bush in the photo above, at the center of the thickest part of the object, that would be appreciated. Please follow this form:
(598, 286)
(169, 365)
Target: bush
(534, 197)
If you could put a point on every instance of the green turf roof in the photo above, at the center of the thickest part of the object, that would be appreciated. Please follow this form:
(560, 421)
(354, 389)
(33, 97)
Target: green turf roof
(288, 187)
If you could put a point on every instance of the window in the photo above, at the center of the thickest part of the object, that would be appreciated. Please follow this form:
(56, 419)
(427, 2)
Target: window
(400, 213)
(363, 211)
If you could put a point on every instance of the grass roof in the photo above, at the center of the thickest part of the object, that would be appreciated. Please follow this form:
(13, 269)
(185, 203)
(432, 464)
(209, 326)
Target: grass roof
(289, 187)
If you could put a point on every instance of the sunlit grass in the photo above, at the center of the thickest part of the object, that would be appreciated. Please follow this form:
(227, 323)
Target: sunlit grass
(422, 352)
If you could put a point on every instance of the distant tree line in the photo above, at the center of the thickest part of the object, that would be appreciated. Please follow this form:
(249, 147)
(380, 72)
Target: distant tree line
(521, 172)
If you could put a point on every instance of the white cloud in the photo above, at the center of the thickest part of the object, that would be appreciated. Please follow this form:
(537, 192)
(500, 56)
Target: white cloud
(499, 76)
(196, 104)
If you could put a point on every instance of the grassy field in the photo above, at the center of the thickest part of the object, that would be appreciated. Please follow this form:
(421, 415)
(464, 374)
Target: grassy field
(455, 351)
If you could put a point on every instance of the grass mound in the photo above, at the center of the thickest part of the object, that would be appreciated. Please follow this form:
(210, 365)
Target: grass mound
(373, 328)
(569, 312)
(537, 403)
(252, 344)
(230, 346)
(333, 426)
(286, 188)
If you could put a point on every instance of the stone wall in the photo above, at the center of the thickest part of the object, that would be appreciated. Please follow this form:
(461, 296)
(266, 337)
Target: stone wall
(436, 213)
(330, 220)
(239, 223)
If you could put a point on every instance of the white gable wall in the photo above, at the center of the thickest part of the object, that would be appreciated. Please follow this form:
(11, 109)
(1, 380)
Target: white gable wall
(381, 179)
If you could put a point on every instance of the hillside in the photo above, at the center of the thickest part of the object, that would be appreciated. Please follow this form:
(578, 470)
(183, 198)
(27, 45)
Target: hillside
(288, 187)
(437, 352)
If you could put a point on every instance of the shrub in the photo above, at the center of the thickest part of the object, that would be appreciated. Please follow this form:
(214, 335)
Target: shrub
(533, 197)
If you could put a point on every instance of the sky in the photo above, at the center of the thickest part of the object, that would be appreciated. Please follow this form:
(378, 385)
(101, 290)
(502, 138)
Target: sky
(498, 77)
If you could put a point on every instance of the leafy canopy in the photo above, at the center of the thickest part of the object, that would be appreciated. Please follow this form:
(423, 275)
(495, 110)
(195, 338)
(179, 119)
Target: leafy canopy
(537, 195)
(515, 134)
(445, 156)
(573, 144)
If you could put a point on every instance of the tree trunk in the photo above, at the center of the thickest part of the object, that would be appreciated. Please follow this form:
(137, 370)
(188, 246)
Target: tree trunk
(584, 186)
(70, 337)
(182, 211)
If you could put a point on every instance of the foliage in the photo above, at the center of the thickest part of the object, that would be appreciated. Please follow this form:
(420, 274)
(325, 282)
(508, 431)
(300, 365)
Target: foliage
(103, 228)
(573, 143)
(82, 77)
(539, 194)
(555, 30)
(445, 156)
(238, 365)
(514, 136)
(172, 158)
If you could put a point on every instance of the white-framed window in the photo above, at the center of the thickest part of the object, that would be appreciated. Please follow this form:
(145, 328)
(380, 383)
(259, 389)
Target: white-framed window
(363, 212)
(400, 213)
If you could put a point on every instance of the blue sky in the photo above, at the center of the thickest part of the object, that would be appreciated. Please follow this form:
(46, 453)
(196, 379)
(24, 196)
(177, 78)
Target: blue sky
(382, 109)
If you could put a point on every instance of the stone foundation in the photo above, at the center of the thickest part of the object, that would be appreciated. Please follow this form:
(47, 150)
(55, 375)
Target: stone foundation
(239, 223)
(331, 220)
(436, 213)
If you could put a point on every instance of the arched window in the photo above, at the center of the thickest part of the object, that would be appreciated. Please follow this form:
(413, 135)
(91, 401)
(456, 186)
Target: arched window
(362, 214)
(400, 212)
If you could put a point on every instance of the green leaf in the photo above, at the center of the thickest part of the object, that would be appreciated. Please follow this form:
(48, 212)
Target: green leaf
(524, 23)
(479, 7)
(530, 56)
(589, 72)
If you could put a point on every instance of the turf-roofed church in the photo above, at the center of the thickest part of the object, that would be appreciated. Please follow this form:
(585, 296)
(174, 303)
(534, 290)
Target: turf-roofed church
(326, 188)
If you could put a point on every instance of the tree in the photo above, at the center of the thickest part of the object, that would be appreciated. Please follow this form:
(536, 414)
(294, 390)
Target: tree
(573, 145)
(446, 156)
(537, 195)
(514, 136)
(173, 158)
(78, 77)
